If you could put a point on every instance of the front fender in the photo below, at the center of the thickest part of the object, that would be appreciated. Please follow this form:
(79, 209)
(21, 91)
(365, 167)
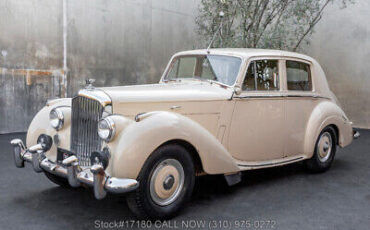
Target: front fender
(40, 125)
(324, 114)
(139, 139)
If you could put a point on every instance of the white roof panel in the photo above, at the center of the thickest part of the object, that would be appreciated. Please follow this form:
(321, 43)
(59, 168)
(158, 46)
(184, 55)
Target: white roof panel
(247, 53)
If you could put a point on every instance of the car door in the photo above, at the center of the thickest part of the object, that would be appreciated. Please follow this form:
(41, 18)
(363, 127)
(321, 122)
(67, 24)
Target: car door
(300, 100)
(256, 130)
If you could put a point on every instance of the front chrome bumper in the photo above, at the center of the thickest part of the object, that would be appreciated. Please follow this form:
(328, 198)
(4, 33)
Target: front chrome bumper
(70, 169)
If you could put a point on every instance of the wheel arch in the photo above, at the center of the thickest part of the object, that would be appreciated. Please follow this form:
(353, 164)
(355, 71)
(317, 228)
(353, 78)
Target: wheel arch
(326, 114)
(336, 130)
(192, 151)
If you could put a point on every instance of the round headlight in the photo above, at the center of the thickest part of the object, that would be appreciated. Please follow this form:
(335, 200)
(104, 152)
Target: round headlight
(56, 118)
(106, 129)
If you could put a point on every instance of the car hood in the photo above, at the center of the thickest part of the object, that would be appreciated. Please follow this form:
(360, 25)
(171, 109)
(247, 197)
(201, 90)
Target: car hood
(193, 91)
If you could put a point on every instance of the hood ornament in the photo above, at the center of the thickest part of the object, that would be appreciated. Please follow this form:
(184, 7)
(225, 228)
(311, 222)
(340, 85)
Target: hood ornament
(89, 83)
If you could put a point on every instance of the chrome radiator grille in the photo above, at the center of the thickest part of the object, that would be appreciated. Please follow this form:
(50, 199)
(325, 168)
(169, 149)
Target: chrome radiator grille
(86, 114)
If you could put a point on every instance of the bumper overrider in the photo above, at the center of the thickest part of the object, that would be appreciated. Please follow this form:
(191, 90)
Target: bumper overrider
(94, 176)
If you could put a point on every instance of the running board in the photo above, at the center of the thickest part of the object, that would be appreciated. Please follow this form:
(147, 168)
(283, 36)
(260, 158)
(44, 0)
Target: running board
(270, 164)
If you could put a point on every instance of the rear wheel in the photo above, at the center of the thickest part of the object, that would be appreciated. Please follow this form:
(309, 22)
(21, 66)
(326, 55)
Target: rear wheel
(166, 183)
(325, 149)
(62, 182)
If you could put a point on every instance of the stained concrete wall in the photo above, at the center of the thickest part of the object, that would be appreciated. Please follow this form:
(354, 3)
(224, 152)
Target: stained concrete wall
(117, 42)
(341, 44)
(30, 51)
(126, 42)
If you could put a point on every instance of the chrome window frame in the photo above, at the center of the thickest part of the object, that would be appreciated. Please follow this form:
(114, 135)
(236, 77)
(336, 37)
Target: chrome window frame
(171, 62)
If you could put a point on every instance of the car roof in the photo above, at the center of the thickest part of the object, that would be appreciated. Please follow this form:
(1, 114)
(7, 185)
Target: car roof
(247, 53)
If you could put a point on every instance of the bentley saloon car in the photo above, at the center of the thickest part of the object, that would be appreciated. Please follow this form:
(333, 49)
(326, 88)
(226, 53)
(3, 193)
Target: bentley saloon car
(216, 111)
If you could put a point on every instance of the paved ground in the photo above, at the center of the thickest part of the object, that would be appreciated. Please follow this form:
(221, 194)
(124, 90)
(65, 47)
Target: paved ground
(287, 196)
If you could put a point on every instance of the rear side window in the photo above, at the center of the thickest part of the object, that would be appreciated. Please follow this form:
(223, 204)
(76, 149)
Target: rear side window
(298, 76)
(262, 75)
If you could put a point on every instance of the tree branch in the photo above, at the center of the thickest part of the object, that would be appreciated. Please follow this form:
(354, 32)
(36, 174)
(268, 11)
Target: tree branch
(311, 25)
(252, 20)
(259, 19)
(271, 17)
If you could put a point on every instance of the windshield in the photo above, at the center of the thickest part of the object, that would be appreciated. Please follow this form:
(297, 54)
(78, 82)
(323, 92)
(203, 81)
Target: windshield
(223, 69)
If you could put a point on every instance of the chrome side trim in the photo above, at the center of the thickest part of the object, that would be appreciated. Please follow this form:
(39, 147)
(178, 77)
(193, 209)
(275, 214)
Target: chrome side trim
(281, 96)
(308, 96)
(259, 96)
(271, 164)
(141, 116)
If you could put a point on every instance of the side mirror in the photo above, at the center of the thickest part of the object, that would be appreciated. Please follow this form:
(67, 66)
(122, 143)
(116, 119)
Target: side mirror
(237, 90)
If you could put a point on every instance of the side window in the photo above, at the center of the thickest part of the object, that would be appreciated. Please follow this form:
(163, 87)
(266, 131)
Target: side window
(186, 67)
(182, 68)
(262, 75)
(249, 81)
(298, 76)
(174, 69)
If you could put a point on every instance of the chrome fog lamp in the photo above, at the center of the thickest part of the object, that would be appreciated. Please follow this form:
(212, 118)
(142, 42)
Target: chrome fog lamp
(56, 118)
(106, 129)
(100, 157)
(45, 141)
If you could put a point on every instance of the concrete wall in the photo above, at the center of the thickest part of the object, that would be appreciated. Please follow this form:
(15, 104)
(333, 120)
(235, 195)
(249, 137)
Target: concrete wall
(116, 42)
(126, 42)
(341, 44)
(30, 51)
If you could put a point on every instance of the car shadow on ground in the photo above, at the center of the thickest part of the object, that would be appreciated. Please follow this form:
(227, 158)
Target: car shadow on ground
(282, 193)
(212, 186)
(77, 208)
(67, 203)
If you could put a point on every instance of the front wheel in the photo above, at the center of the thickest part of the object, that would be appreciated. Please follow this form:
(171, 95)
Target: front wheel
(325, 149)
(166, 183)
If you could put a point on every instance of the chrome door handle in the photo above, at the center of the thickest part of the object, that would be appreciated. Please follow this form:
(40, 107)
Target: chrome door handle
(175, 107)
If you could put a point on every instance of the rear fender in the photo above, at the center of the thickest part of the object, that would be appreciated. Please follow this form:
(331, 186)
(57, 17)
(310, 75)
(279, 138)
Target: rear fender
(327, 113)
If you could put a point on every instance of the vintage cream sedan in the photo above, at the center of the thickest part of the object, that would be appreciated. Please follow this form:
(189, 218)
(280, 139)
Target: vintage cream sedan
(217, 111)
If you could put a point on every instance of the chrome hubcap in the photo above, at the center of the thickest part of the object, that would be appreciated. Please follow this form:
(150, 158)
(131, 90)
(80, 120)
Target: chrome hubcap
(324, 146)
(166, 182)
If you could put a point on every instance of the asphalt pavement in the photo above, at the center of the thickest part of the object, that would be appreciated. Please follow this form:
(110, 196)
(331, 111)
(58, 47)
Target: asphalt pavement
(279, 198)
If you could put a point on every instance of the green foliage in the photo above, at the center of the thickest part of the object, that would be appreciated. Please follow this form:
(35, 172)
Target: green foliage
(274, 24)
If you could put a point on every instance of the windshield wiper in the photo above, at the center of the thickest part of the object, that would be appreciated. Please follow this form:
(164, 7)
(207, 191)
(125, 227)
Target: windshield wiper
(171, 79)
(210, 81)
(198, 79)
(217, 82)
